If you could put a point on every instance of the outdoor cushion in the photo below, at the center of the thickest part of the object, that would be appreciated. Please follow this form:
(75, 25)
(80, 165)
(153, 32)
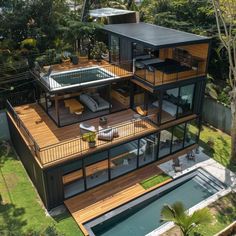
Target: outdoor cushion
(86, 128)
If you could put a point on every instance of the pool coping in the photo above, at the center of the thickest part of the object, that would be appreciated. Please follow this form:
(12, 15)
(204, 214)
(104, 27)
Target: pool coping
(154, 192)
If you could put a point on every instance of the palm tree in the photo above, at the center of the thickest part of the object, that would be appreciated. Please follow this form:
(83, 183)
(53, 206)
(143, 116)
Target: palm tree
(177, 213)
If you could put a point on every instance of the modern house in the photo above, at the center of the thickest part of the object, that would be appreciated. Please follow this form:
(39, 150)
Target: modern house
(142, 104)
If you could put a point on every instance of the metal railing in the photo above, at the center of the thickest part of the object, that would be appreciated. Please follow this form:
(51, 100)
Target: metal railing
(84, 74)
(78, 146)
(157, 77)
(25, 132)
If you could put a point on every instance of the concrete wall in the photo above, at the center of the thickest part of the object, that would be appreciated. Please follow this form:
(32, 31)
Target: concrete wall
(4, 129)
(217, 115)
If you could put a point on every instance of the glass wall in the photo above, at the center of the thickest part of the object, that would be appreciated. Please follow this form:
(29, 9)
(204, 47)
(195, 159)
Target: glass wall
(115, 49)
(178, 137)
(73, 179)
(192, 131)
(148, 149)
(96, 169)
(124, 158)
(177, 102)
(170, 105)
(186, 100)
(165, 142)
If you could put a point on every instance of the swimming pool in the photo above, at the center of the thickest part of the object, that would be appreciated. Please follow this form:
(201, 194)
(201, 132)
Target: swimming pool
(142, 215)
(72, 78)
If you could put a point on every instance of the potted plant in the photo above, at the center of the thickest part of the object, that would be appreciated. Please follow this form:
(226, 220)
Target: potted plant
(90, 137)
(99, 50)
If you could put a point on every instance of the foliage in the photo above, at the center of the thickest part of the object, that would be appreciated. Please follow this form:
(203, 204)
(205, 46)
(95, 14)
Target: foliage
(89, 137)
(21, 211)
(225, 12)
(222, 145)
(223, 212)
(154, 180)
(187, 223)
(98, 50)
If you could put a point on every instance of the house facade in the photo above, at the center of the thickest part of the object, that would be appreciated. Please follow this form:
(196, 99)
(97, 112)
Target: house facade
(142, 103)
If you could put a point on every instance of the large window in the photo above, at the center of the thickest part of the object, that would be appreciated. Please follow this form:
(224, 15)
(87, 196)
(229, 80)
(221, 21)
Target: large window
(124, 158)
(178, 137)
(186, 100)
(170, 105)
(148, 149)
(115, 49)
(165, 142)
(73, 179)
(192, 131)
(177, 102)
(96, 169)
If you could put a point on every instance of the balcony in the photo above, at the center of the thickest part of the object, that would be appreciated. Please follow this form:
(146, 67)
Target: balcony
(156, 71)
(50, 144)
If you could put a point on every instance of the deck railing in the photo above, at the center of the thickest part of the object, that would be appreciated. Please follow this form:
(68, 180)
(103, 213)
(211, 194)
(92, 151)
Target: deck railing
(82, 74)
(156, 77)
(25, 132)
(76, 147)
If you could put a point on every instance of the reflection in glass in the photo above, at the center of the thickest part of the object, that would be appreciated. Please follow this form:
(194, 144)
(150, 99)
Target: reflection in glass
(96, 169)
(124, 158)
(178, 137)
(169, 105)
(148, 149)
(191, 135)
(165, 142)
(186, 100)
(73, 179)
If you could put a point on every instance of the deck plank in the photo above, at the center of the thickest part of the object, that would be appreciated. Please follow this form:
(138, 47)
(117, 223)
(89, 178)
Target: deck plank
(106, 197)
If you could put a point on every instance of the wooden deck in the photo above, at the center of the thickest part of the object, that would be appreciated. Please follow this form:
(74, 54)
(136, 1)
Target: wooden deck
(95, 202)
(67, 140)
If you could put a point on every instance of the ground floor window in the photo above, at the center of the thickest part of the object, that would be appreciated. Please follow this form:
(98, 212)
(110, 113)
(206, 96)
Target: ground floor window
(101, 167)
(123, 158)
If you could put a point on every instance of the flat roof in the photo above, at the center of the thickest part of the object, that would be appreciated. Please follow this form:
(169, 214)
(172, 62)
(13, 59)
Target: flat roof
(106, 12)
(154, 35)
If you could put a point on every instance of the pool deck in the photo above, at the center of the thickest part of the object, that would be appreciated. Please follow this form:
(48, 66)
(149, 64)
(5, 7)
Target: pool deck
(97, 201)
(208, 164)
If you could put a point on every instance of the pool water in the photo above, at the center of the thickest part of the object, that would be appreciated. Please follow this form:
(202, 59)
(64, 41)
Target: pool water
(145, 217)
(80, 76)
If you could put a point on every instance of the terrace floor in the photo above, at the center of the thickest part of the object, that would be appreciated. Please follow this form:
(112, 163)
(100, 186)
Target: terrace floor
(106, 197)
(66, 140)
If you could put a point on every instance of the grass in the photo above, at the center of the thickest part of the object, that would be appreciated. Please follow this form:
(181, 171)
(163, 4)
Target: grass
(154, 180)
(221, 148)
(223, 212)
(21, 210)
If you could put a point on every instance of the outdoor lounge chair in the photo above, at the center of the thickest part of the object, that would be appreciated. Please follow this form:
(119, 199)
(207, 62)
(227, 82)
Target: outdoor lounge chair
(108, 134)
(177, 166)
(85, 128)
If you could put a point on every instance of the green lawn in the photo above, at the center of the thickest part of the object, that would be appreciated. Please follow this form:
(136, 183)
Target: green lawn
(154, 180)
(20, 208)
(221, 148)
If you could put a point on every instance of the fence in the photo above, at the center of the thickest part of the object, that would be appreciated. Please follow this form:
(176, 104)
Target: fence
(217, 115)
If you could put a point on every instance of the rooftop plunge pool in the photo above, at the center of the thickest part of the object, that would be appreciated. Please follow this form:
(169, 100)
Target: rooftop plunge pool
(78, 77)
(142, 215)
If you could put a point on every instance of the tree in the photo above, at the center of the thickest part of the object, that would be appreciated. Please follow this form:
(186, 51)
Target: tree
(176, 213)
(225, 14)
